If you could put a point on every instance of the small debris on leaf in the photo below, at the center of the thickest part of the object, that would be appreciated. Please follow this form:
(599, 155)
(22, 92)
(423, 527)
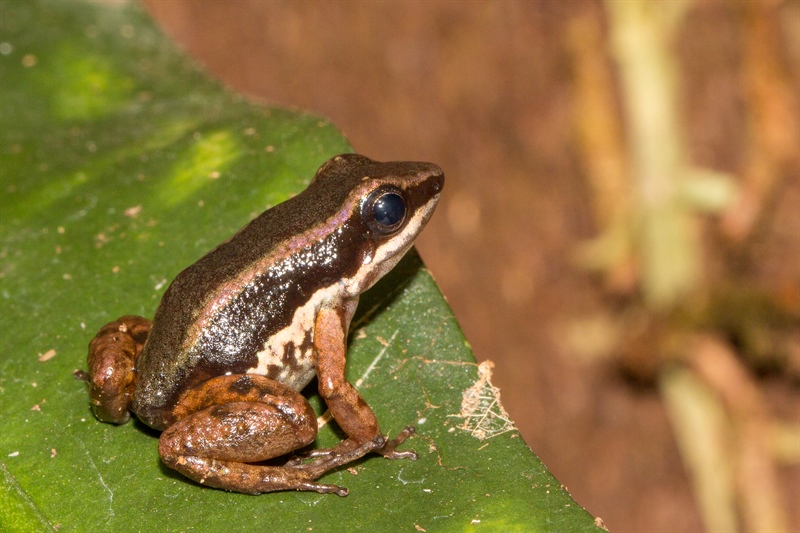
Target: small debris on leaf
(46, 356)
(133, 211)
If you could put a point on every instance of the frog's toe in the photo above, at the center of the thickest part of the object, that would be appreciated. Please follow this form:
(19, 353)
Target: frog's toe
(394, 454)
(320, 454)
(323, 488)
(388, 448)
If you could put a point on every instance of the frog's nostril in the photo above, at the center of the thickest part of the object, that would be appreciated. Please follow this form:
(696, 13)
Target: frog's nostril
(437, 183)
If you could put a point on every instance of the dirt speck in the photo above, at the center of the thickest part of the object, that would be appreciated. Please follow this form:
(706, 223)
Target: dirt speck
(46, 356)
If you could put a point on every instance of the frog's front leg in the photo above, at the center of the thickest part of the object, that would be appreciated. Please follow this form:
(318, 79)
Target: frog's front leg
(111, 378)
(230, 421)
(348, 408)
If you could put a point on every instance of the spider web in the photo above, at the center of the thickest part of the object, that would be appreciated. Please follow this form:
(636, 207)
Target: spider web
(483, 414)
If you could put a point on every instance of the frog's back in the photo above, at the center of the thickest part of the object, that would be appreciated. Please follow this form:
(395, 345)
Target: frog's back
(221, 311)
(249, 305)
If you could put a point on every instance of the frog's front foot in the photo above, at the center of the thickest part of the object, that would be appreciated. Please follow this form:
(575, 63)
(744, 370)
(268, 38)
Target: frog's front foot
(315, 469)
(344, 448)
(388, 449)
(379, 444)
(329, 459)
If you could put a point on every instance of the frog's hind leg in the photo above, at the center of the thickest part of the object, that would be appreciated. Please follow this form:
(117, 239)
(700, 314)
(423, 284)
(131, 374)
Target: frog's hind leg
(112, 355)
(229, 422)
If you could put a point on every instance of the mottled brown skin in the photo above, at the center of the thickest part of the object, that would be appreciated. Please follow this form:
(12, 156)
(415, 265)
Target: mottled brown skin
(238, 335)
(111, 377)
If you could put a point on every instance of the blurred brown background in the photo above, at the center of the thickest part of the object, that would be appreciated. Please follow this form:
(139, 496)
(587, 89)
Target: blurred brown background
(521, 104)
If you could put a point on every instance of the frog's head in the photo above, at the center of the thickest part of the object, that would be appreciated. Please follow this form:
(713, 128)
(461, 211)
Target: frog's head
(385, 207)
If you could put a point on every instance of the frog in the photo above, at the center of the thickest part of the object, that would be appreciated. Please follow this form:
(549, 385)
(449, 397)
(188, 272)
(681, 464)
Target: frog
(238, 335)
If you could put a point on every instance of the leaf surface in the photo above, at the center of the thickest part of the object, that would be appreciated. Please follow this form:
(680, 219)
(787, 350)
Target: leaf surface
(121, 163)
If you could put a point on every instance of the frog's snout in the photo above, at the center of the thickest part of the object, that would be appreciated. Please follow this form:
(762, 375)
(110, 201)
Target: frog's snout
(436, 180)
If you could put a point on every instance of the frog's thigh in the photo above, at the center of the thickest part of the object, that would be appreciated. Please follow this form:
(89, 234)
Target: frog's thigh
(239, 431)
(239, 418)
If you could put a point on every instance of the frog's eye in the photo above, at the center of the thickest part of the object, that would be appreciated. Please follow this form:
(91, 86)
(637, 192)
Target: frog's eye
(384, 210)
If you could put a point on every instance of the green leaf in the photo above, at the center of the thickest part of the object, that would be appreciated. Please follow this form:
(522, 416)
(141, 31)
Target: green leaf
(122, 163)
